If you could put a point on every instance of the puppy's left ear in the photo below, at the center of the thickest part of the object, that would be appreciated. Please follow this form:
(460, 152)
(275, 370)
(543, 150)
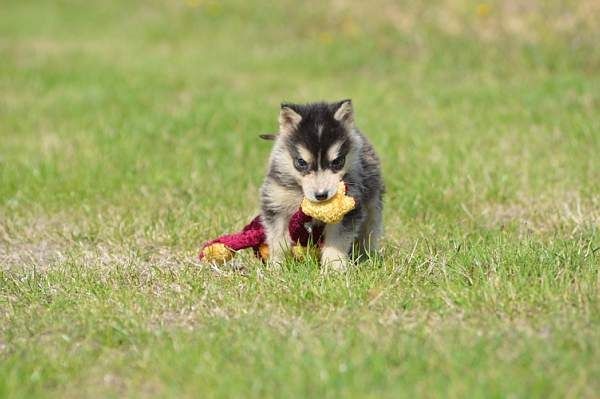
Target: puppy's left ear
(344, 113)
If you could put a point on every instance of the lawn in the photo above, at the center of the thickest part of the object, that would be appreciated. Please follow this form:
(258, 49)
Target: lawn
(128, 136)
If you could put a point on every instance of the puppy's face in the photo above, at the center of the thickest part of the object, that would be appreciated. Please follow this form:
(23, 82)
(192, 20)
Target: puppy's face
(316, 146)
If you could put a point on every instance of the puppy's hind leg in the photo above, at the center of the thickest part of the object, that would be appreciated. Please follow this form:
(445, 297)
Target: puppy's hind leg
(370, 230)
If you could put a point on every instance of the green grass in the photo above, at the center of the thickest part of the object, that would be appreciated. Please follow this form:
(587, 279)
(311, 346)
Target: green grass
(128, 136)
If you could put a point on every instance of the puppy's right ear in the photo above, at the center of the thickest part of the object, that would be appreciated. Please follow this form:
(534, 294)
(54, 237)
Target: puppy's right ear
(288, 119)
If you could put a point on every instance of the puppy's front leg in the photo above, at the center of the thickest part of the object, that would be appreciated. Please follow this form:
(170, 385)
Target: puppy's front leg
(278, 204)
(338, 241)
(278, 238)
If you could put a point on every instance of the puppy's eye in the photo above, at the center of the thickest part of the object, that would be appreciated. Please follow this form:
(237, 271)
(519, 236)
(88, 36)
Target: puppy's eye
(301, 164)
(338, 163)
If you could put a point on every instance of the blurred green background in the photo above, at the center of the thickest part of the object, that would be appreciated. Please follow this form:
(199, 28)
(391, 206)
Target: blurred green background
(128, 135)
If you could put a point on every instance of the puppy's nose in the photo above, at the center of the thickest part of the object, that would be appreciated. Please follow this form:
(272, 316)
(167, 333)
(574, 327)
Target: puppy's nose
(321, 195)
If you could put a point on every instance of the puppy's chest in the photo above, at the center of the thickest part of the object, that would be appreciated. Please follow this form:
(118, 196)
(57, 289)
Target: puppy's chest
(314, 226)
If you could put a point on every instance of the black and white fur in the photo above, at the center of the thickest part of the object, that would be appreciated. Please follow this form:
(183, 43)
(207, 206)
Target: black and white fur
(317, 146)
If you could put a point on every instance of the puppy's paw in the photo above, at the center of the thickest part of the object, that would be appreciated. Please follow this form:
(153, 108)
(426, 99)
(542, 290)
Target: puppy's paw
(333, 259)
(276, 253)
(276, 260)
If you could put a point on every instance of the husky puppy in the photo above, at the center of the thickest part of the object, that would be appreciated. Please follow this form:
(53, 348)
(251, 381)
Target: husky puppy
(317, 146)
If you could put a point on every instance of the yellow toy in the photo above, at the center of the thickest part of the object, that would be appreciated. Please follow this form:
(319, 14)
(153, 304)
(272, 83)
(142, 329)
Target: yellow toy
(331, 211)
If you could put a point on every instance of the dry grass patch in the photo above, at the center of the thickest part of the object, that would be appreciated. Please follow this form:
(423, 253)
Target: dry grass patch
(571, 213)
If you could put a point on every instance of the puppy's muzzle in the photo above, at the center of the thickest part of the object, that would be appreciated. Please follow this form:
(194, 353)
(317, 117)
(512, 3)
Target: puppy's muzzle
(321, 195)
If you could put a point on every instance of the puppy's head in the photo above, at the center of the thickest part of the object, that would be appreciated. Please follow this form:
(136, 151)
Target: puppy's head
(316, 146)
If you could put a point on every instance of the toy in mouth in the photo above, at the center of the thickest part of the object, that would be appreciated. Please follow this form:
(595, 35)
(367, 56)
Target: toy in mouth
(331, 211)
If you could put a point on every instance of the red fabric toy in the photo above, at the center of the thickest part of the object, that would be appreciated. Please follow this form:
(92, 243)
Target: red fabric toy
(253, 234)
